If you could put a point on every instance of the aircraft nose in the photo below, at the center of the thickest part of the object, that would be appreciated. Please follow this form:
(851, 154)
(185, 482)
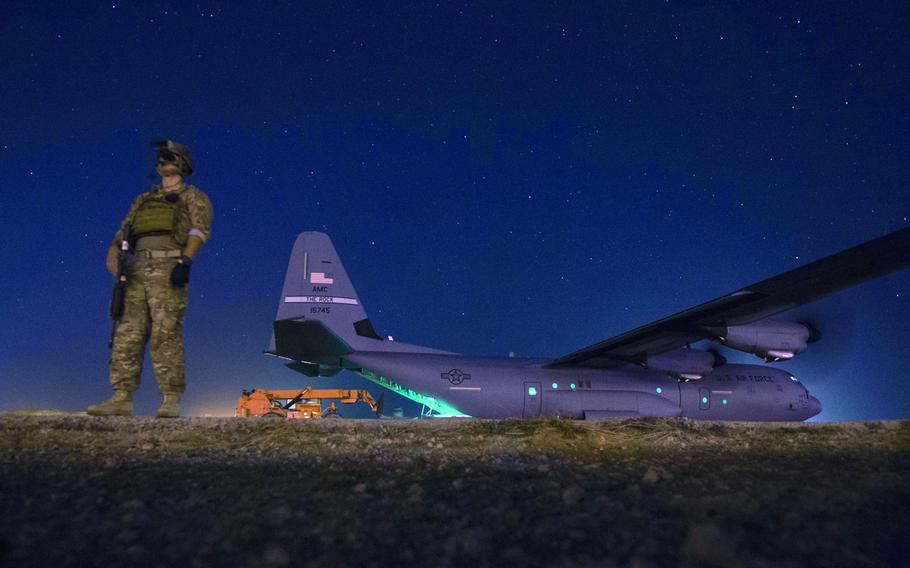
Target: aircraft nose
(815, 406)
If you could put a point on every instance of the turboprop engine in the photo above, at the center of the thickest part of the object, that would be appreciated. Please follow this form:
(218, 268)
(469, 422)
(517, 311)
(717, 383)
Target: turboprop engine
(687, 364)
(769, 339)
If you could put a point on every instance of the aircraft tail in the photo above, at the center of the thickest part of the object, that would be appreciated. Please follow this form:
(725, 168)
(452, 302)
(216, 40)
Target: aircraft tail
(320, 318)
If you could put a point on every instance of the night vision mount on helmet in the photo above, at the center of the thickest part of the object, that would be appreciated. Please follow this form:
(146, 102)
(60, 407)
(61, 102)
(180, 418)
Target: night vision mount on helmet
(174, 157)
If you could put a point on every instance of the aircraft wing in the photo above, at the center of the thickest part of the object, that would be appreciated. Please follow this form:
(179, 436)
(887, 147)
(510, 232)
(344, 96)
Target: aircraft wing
(802, 285)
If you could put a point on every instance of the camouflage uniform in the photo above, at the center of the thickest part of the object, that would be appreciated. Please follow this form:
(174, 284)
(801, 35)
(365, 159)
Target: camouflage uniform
(153, 308)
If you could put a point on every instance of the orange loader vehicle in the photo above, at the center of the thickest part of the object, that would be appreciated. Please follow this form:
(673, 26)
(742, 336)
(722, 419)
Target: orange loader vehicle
(300, 404)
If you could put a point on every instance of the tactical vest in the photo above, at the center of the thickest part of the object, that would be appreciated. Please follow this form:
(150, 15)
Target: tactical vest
(155, 216)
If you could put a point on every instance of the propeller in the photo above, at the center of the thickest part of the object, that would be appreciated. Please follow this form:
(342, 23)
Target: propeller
(719, 360)
(837, 317)
(815, 334)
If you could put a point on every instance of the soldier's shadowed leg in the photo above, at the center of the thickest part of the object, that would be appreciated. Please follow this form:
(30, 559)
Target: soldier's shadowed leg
(167, 305)
(128, 349)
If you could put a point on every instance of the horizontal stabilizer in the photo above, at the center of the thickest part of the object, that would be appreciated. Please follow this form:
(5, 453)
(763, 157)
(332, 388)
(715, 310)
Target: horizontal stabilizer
(309, 341)
(314, 369)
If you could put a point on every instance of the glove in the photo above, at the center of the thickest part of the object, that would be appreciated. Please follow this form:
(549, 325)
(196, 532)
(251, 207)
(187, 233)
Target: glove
(180, 275)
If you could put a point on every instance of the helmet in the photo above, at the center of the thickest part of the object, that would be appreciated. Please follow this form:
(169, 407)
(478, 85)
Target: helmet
(173, 158)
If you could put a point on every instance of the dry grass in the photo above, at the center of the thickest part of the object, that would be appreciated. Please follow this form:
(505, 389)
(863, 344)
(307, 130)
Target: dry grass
(577, 441)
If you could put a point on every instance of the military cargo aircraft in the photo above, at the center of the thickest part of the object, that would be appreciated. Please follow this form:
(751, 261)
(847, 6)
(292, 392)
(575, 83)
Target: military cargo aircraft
(322, 328)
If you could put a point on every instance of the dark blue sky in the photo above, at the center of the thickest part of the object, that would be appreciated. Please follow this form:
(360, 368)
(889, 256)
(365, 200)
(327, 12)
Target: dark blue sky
(495, 177)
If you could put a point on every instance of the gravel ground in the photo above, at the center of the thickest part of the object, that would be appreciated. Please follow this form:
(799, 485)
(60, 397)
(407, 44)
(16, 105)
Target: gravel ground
(82, 491)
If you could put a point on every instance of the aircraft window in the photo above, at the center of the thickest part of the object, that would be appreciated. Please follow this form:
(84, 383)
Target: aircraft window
(555, 385)
(659, 390)
(572, 386)
(532, 391)
(704, 400)
(724, 401)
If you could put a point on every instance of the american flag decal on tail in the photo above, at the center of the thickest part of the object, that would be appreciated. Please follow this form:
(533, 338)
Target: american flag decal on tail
(321, 278)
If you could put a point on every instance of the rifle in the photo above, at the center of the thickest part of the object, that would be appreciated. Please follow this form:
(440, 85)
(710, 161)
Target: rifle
(119, 293)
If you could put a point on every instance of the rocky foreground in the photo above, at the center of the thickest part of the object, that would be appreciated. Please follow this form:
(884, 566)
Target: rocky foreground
(81, 491)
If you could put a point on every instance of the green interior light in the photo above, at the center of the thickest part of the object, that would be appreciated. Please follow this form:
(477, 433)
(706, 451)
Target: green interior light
(532, 391)
(441, 408)
(555, 385)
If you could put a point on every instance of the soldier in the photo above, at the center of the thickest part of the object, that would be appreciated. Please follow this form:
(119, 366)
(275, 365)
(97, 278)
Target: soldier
(169, 224)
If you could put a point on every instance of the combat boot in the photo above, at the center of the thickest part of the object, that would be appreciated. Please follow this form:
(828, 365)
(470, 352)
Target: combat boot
(121, 404)
(170, 408)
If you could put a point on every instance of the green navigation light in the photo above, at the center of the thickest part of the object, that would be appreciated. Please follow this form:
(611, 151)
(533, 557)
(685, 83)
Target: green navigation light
(441, 408)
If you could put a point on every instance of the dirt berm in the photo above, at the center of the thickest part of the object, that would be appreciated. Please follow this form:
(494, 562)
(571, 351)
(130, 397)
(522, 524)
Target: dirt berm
(81, 491)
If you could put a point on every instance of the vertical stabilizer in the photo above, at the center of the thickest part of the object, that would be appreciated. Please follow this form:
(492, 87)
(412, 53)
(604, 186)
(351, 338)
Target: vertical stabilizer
(320, 318)
(318, 293)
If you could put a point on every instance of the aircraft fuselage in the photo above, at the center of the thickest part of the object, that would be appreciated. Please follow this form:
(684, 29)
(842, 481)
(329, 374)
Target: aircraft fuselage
(523, 388)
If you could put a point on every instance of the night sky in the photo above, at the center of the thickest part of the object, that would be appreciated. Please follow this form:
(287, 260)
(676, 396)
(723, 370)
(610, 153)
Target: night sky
(532, 177)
